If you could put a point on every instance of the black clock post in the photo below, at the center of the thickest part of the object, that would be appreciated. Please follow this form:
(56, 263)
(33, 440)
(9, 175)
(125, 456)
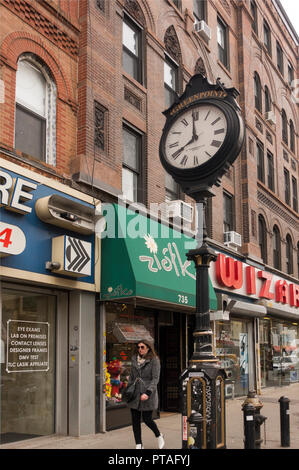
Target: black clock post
(202, 137)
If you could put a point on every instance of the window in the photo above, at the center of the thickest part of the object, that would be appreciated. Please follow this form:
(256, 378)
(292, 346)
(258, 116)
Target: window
(131, 172)
(279, 54)
(257, 92)
(292, 136)
(253, 10)
(262, 234)
(287, 192)
(284, 123)
(295, 194)
(290, 74)
(260, 162)
(35, 120)
(171, 188)
(289, 254)
(170, 81)
(132, 49)
(270, 171)
(298, 259)
(268, 101)
(222, 39)
(228, 213)
(276, 248)
(178, 4)
(199, 10)
(267, 37)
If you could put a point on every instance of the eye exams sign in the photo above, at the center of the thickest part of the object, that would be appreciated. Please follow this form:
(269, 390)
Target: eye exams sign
(27, 346)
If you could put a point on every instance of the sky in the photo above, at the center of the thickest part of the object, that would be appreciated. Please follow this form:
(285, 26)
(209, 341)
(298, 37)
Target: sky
(292, 9)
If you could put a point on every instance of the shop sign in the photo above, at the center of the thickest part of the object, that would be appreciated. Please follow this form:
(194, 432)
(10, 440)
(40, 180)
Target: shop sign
(26, 240)
(231, 274)
(27, 346)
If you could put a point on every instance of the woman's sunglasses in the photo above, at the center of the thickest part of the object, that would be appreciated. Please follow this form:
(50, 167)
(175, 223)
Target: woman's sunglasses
(141, 347)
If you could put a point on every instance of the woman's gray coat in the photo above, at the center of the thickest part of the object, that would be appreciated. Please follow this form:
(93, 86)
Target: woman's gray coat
(149, 373)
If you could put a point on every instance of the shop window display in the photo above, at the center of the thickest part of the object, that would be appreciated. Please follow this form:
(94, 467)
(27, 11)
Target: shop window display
(125, 326)
(279, 352)
(232, 352)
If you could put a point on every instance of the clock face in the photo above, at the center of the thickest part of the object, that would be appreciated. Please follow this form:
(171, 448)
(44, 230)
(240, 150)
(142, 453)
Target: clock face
(195, 136)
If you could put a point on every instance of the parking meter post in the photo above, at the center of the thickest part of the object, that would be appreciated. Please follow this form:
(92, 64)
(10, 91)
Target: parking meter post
(284, 421)
(249, 426)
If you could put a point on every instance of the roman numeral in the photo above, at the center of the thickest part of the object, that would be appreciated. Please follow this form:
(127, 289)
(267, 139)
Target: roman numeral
(176, 154)
(195, 115)
(219, 131)
(216, 143)
(207, 115)
(195, 160)
(184, 160)
(209, 155)
(176, 132)
(184, 122)
(175, 144)
(216, 120)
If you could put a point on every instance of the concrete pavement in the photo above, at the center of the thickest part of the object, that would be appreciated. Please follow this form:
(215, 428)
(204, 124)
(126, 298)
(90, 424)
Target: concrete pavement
(170, 426)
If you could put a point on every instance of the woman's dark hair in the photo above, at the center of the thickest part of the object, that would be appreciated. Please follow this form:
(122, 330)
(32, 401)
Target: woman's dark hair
(151, 353)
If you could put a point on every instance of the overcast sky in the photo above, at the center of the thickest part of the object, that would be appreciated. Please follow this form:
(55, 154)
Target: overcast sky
(292, 9)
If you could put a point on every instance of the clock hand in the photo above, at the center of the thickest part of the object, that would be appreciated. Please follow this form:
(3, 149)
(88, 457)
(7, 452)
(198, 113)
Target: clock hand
(195, 136)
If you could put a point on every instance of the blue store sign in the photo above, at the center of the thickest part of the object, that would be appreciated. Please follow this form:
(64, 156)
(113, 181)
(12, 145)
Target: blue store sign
(26, 242)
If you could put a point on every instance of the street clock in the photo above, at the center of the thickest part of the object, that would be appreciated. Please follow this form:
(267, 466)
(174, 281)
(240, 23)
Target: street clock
(202, 136)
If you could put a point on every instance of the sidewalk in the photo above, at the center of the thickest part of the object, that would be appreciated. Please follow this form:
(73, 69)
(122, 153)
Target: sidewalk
(170, 426)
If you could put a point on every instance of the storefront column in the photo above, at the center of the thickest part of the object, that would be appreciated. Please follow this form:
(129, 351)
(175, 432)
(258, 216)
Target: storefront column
(81, 363)
(102, 359)
(61, 370)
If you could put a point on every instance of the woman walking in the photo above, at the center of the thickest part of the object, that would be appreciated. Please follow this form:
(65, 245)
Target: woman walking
(145, 373)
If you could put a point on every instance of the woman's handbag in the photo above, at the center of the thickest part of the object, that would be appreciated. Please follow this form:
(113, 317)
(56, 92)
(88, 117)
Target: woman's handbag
(129, 392)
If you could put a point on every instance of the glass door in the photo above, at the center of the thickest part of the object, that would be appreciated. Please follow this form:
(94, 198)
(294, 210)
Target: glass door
(27, 362)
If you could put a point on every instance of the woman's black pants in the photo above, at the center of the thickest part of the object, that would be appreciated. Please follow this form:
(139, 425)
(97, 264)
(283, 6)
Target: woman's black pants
(136, 423)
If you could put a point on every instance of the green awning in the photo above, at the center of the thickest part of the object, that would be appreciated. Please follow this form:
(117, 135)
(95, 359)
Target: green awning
(146, 259)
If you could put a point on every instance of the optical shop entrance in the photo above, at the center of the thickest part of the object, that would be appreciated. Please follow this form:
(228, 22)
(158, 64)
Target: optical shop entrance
(28, 363)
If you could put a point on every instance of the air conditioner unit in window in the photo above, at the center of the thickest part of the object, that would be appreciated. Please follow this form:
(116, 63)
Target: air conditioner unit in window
(180, 209)
(233, 239)
(270, 117)
(203, 30)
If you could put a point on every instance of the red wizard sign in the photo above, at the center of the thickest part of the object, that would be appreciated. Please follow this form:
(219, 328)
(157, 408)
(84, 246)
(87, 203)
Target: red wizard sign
(235, 276)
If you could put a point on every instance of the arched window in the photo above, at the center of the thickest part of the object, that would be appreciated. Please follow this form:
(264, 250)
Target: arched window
(284, 124)
(257, 92)
(292, 136)
(268, 101)
(289, 254)
(262, 234)
(35, 119)
(276, 248)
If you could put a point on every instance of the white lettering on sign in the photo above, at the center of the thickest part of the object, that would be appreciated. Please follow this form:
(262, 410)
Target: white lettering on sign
(15, 193)
(167, 263)
(27, 346)
(12, 240)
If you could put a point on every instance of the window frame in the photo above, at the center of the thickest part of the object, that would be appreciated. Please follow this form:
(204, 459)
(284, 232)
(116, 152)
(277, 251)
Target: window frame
(202, 9)
(262, 238)
(223, 52)
(228, 222)
(284, 127)
(271, 171)
(253, 10)
(139, 58)
(138, 170)
(258, 101)
(171, 92)
(289, 254)
(268, 100)
(279, 58)
(294, 194)
(260, 161)
(276, 248)
(49, 131)
(287, 187)
(267, 37)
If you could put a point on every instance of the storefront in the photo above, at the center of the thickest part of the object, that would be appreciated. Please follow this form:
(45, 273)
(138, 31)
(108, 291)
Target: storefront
(47, 300)
(256, 325)
(147, 292)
